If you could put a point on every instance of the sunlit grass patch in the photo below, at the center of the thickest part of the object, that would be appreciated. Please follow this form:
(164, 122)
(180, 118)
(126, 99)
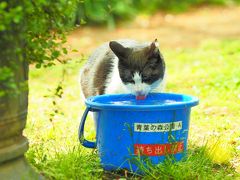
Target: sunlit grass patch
(197, 165)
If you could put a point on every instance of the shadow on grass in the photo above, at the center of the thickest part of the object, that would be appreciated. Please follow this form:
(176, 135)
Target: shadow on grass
(75, 163)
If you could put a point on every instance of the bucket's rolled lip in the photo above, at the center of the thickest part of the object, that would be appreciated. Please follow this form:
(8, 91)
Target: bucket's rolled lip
(187, 102)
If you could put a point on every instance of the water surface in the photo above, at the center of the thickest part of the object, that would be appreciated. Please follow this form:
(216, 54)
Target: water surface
(143, 102)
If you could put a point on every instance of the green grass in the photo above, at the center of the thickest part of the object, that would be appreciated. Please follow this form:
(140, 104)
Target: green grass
(197, 165)
(210, 72)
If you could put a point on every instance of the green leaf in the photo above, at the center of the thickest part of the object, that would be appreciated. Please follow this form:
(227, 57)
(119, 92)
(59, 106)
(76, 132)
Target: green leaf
(55, 54)
(2, 27)
(3, 5)
(65, 51)
(82, 21)
(38, 66)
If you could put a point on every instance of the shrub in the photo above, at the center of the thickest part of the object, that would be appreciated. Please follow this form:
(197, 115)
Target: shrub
(32, 32)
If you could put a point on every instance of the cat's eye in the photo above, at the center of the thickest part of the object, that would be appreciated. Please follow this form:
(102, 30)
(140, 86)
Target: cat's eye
(128, 80)
(146, 79)
(131, 81)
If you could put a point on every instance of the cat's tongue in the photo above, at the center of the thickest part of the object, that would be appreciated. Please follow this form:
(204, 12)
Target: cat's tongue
(140, 97)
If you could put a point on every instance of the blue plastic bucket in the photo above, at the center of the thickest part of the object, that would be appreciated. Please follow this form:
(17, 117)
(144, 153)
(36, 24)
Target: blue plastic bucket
(130, 129)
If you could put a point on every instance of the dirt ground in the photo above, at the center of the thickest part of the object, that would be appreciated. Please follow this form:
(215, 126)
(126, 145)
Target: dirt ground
(172, 30)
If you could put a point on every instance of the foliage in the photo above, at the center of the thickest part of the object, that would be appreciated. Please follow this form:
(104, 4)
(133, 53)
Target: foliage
(210, 72)
(109, 11)
(99, 12)
(177, 6)
(42, 23)
(32, 31)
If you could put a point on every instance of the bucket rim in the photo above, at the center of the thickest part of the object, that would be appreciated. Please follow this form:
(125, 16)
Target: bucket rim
(188, 101)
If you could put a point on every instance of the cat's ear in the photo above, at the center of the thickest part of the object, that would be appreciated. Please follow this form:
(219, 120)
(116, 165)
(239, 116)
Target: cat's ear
(153, 50)
(120, 51)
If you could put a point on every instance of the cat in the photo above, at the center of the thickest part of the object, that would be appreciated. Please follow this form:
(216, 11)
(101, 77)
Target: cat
(124, 66)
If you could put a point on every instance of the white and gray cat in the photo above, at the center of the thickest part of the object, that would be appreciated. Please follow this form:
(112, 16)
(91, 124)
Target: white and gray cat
(124, 66)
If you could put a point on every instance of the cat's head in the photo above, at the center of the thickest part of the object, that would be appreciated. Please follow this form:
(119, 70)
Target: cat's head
(140, 69)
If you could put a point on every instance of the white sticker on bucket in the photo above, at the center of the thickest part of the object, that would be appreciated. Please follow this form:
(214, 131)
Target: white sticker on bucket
(157, 127)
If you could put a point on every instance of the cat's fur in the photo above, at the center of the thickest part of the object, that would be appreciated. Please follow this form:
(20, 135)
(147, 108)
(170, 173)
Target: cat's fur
(124, 66)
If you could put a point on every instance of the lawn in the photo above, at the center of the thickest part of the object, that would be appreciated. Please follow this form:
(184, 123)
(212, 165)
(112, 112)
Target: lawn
(209, 71)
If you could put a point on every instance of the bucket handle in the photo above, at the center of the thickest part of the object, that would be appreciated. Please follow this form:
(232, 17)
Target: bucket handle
(83, 141)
